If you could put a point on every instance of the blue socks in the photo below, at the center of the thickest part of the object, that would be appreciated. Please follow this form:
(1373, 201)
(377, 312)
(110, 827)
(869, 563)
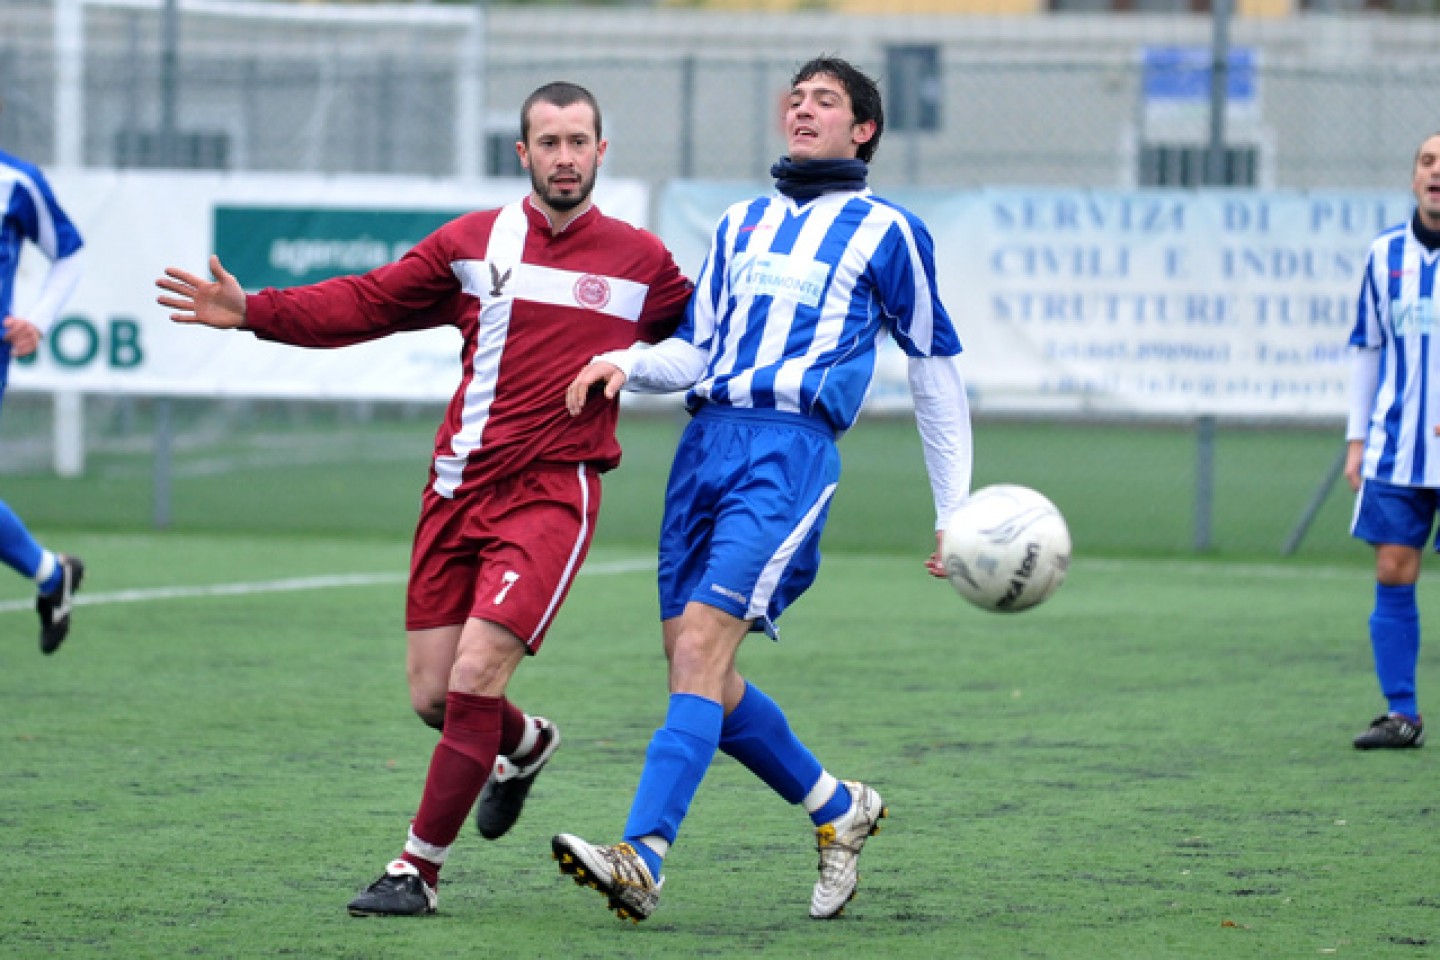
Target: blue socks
(680, 752)
(1395, 639)
(757, 734)
(20, 552)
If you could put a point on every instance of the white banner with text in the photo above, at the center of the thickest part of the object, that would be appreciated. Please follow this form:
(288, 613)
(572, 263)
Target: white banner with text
(1149, 303)
(1160, 303)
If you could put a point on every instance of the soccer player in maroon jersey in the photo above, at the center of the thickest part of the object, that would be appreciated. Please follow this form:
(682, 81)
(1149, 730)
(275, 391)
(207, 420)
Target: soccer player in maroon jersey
(536, 288)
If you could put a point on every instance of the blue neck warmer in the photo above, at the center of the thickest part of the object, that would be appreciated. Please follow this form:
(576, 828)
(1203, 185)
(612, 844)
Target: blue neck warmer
(1427, 237)
(803, 182)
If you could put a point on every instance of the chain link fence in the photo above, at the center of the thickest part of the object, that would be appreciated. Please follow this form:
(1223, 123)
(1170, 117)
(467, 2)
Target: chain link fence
(1089, 100)
(1061, 99)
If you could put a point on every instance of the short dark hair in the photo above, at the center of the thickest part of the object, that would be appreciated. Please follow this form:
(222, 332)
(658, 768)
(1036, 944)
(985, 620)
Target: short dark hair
(1421, 146)
(560, 93)
(864, 94)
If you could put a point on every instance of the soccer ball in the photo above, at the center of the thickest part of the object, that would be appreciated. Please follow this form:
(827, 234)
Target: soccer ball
(1006, 549)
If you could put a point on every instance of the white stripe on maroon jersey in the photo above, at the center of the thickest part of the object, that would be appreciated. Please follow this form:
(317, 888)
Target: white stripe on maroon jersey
(613, 296)
(503, 251)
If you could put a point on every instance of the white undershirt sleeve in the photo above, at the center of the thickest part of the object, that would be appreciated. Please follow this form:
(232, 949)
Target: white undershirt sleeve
(60, 282)
(942, 415)
(669, 365)
(1364, 378)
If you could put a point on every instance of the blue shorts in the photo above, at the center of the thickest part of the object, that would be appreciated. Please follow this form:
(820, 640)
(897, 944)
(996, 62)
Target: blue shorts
(747, 499)
(1387, 513)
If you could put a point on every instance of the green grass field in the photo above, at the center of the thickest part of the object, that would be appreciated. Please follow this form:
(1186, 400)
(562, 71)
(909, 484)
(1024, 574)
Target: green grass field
(1154, 764)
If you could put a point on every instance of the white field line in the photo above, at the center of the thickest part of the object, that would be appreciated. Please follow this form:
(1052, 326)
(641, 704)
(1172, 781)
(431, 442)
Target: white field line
(1266, 571)
(1258, 571)
(598, 569)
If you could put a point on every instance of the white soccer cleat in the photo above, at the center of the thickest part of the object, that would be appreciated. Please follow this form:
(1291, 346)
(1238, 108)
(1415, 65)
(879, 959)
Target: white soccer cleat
(616, 871)
(840, 842)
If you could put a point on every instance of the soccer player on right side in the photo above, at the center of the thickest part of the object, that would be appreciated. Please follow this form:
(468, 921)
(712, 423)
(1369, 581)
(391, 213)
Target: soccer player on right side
(778, 349)
(1393, 442)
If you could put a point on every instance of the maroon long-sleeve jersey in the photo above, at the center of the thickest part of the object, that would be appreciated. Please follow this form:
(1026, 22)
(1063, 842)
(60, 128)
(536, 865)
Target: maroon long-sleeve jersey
(533, 307)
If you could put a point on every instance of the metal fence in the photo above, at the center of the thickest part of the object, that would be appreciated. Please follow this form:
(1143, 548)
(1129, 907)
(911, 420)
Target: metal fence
(1080, 100)
(1330, 100)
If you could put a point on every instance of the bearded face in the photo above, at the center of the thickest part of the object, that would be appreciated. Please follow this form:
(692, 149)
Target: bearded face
(562, 154)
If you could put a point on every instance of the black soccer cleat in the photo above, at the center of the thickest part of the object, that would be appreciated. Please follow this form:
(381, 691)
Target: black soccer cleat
(54, 607)
(1391, 731)
(504, 795)
(400, 892)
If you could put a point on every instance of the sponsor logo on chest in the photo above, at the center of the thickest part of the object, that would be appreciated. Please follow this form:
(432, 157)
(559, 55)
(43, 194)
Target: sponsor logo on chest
(777, 275)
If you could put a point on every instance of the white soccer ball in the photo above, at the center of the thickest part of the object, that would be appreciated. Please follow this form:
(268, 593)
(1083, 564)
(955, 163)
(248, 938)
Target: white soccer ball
(1006, 549)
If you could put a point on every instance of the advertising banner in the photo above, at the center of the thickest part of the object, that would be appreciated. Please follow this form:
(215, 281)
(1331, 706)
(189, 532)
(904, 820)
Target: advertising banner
(1163, 303)
(1146, 303)
(280, 230)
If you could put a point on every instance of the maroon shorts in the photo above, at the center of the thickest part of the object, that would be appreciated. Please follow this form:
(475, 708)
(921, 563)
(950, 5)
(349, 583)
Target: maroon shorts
(506, 552)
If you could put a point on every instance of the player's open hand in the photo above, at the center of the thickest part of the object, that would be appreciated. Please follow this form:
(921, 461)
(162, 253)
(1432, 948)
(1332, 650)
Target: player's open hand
(935, 564)
(22, 335)
(597, 373)
(1354, 463)
(218, 303)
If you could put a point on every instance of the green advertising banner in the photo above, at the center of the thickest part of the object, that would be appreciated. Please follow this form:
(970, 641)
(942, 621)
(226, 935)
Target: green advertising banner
(290, 246)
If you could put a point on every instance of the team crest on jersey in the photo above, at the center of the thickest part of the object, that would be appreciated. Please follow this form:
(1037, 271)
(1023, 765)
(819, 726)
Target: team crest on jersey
(592, 292)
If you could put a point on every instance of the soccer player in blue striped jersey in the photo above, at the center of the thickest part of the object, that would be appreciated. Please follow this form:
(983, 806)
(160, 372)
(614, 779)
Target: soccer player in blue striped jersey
(1393, 441)
(778, 351)
(30, 212)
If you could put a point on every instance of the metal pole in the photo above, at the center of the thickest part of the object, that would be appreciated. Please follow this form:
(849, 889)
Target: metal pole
(687, 117)
(169, 84)
(1219, 91)
(1317, 500)
(470, 112)
(69, 406)
(765, 109)
(164, 443)
(1204, 480)
(69, 83)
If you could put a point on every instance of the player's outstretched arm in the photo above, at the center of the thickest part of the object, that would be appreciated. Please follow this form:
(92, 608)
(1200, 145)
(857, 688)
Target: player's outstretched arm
(596, 373)
(218, 303)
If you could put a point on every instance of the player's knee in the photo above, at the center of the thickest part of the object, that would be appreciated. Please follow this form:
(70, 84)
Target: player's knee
(430, 709)
(697, 658)
(1397, 566)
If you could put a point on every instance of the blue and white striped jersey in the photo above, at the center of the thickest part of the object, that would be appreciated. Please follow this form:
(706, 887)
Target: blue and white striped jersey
(1397, 316)
(28, 211)
(792, 301)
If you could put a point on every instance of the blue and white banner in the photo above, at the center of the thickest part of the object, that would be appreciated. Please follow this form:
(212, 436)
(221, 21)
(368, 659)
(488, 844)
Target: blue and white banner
(1165, 302)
